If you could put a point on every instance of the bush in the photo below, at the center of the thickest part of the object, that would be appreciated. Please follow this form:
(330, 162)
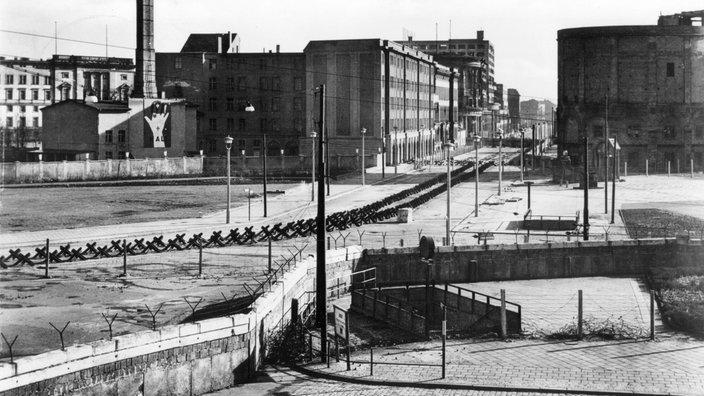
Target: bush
(680, 291)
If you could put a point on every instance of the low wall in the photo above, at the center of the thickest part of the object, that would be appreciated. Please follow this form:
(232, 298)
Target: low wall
(36, 172)
(192, 358)
(459, 264)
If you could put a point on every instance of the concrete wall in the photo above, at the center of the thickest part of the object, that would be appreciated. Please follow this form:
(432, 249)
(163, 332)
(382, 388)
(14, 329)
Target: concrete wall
(453, 264)
(185, 359)
(34, 172)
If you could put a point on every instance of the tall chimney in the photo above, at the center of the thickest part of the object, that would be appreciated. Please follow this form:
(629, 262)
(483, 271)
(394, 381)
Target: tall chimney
(145, 74)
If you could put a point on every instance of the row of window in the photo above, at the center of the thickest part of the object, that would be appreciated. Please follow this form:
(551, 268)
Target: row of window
(23, 109)
(270, 124)
(265, 83)
(22, 122)
(668, 132)
(22, 94)
(121, 136)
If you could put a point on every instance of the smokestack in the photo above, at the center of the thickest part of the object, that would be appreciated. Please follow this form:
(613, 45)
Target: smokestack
(145, 74)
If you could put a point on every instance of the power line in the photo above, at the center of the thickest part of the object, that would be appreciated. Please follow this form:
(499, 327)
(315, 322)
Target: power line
(65, 39)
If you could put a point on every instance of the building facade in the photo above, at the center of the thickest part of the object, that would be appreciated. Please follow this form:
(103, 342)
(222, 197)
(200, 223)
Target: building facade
(28, 85)
(212, 73)
(643, 85)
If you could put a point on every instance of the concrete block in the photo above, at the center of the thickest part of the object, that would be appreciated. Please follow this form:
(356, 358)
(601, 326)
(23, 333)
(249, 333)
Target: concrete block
(241, 363)
(169, 332)
(136, 339)
(77, 352)
(221, 368)
(215, 324)
(201, 376)
(7, 369)
(103, 346)
(155, 381)
(37, 362)
(178, 380)
(100, 389)
(189, 329)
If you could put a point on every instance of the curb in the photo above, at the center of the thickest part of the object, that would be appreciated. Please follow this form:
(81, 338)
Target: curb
(456, 386)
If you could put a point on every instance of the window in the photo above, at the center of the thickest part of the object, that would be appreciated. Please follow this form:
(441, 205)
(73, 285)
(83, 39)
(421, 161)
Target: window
(8, 93)
(9, 79)
(23, 79)
(263, 83)
(212, 64)
(212, 145)
(123, 77)
(298, 83)
(241, 83)
(36, 109)
(47, 80)
(121, 136)
(22, 94)
(669, 132)
(276, 84)
(242, 125)
(47, 94)
(35, 80)
(23, 109)
(213, 104)
(10, 107)
(64, 74)
(230, 83)
(212, 83)
(230, 104)
(256, 143)
(177, 62)
(35, 122)
(212, 125)
(8, 122)
(670, 69)
(276, 104)
(108, 155)
(699, 131)
(121, 155)
(298, 104)
(108, 136)
(262, 125)
(23, 122)
(230, 124)
(35, 94)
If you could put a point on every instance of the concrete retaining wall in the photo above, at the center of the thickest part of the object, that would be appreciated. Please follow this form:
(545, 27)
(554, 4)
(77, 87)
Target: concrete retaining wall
(185, 359)
(454, 264)
(36, 172)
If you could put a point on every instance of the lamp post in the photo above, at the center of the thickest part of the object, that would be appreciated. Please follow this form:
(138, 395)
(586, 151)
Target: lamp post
(522, 133)
(364, 169)
(477, 140)
(249, 203)
(448, 146)
(264, 174)
(312, 135)
(282, 162)
(500, 135)
(228, 146)
(395, 147)
(586, 188)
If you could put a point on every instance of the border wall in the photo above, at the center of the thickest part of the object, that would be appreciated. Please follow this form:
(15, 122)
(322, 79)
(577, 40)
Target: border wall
(191, 358)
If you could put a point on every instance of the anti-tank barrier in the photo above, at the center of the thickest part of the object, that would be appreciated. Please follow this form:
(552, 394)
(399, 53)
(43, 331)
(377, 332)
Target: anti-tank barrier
(367, 214)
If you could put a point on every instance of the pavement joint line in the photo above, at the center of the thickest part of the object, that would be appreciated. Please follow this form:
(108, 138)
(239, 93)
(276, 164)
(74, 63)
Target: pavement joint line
(457, 386)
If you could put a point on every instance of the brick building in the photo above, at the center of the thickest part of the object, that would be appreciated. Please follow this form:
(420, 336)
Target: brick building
(644, 84)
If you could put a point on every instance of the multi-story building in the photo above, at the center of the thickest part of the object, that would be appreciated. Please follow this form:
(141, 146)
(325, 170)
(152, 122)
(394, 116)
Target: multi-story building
(398, 94)
(474, 61)
(28, 85)
(402, 98)
(211, 72)
(514, 109)
(641, 84)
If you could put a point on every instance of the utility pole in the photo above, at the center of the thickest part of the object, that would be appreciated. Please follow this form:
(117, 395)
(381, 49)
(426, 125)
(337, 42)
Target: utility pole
(321, 282)
(586, 188)
(606, 155)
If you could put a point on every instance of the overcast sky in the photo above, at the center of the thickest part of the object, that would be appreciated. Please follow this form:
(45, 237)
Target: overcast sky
(523, 32)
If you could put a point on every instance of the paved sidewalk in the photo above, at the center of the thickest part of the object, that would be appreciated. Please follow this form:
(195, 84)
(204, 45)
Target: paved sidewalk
(664, 367)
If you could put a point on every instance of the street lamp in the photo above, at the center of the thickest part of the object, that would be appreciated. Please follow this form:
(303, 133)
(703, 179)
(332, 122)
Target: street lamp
(395, 148)
(228, 146)
(282, 162)
(312, 136)
(477, 140)
(522, 133)
(448, 146)
(249, 203)
(500, 135)
(264, 173)
(364, 169)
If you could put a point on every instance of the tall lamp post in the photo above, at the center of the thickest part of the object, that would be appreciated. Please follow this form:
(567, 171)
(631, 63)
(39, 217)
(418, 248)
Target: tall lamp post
(448, 146)
(249, 203)
(228, 146)
(364, 168)
(500, 135)
(395, 147)
(477, 140)
(312, 135)
(522, 135)
(264, 173)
